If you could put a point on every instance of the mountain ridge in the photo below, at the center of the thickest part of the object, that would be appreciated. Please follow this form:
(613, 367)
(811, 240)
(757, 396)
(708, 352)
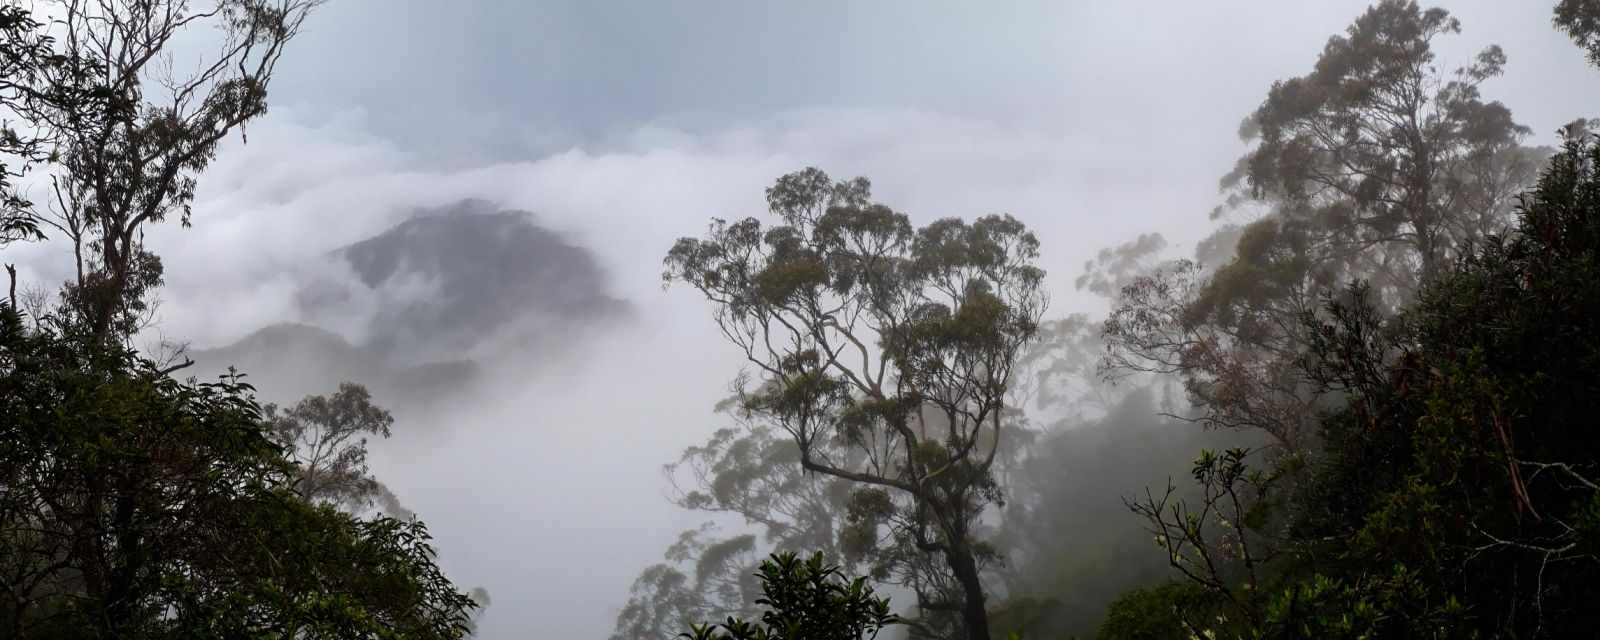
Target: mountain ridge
(426, 301)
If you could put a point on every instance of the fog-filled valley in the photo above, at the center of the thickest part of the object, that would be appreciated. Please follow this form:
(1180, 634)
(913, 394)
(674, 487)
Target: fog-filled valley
(599, 320)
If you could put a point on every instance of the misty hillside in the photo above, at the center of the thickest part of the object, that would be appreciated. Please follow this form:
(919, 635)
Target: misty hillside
(482, 271)
(274, 360)
(433, 294)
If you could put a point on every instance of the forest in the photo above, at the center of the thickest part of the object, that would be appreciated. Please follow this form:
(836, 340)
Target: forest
(1354, 410)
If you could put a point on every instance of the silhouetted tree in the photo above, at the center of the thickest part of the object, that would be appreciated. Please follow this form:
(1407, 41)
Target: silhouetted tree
(132, 142)
(805, 600)
(135, 505)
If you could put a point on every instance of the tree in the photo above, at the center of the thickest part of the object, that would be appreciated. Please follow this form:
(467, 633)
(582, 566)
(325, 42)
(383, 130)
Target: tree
(136, 505)
(1162, 612)
(1473, 407)
(1374, 165)
(805, 600)
(326, 438)
(133, 133)
(896, 344)
(1071, 543)
(752, 471)
(31, 79)
(1581, 20)
(27, 59)
(754, 474)
(133, 504)
(703, 578)
(1454, 490)
(1383, 165)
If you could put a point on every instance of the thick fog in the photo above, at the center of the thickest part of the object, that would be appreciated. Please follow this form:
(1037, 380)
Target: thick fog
(622, 126)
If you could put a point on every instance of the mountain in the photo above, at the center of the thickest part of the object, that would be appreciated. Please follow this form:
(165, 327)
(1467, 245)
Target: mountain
(289, 361)
(418, 305)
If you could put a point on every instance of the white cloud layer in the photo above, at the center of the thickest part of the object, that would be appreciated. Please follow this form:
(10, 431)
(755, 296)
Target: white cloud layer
(544, 485)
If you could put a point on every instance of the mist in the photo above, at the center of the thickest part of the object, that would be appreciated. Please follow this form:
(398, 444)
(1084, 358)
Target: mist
(616, 129)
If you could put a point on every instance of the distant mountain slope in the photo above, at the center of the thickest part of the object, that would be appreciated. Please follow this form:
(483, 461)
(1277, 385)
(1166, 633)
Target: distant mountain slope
(449, 282)
(289, 361)
(425, 299)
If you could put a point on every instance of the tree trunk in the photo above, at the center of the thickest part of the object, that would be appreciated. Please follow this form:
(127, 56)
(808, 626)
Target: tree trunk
(974, 613)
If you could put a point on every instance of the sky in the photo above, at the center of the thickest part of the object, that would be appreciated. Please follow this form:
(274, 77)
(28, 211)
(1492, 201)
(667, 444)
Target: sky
(629, 123)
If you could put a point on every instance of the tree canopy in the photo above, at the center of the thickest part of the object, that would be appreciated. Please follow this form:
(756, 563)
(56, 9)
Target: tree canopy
(1581, 20)
(883, 351)
(134, 504)
(139, 506)
(805, 600)
(1454, 492)
(1375, 165)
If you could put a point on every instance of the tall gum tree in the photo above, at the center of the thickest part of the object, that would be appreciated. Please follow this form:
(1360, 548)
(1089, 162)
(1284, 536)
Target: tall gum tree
(897, 343)
(1376, 164)
(133, 125)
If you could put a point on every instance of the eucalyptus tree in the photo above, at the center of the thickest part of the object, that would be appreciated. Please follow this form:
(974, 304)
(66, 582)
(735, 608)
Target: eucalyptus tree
(132, 124)
(1581, 20)
(894, 344)
(326, 438)
(1377, 165)
(751, 471)
(27, 61)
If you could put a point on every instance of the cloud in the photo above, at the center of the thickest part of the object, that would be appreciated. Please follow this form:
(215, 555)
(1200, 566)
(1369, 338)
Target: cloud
(268, 209)
(543, 484)
(1091, 125)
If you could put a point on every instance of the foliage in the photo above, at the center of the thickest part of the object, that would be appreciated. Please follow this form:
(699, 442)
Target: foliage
(1454, 491)
(131, 135)
(1581, 20)
(1072, 546)
(1487, 497)
(1161, 612)
(704, 577)
(753, 473)
(892, 344)
(1375, 152)
(1374, 165)
(134, 505)
(1214, 540)
(805, 600)
(27, 63)
(138, 506)
(326, 438)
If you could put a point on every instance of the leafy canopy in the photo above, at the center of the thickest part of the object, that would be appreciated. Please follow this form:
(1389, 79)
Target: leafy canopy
(884, 352)
(135, 505)
(805, 600)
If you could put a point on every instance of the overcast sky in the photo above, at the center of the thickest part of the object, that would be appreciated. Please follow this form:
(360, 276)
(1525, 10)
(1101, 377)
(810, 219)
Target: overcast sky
(628, 123)
(520, 78)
